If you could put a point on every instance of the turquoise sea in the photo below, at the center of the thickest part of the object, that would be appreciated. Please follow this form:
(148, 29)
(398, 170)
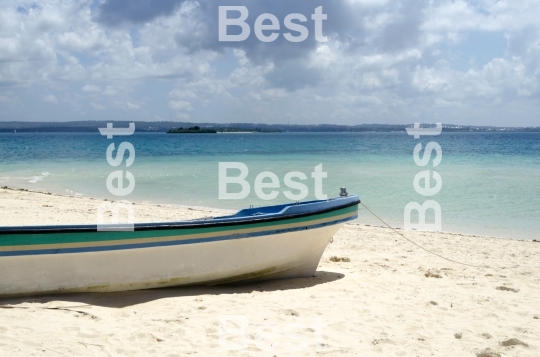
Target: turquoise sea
(491, 181)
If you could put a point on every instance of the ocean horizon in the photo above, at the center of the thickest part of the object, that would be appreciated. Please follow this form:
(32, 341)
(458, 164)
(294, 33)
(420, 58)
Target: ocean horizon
(489, 180)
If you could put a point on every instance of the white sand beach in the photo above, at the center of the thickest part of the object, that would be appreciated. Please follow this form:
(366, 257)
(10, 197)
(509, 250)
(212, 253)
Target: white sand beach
(374, 294)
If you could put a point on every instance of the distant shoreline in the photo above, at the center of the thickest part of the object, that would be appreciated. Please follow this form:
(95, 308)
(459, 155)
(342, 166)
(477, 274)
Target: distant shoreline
(164, 126)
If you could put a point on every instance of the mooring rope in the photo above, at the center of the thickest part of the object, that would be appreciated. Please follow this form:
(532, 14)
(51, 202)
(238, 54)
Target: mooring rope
(418, 245)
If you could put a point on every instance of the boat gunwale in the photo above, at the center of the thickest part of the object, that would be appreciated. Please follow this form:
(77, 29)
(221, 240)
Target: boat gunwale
(160, 226)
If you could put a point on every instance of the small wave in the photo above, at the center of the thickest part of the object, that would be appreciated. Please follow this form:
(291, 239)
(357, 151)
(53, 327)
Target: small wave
(72, 193)
(35, 179)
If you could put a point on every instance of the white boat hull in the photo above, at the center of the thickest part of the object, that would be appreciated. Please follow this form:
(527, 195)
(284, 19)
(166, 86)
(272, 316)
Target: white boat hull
(285, 255)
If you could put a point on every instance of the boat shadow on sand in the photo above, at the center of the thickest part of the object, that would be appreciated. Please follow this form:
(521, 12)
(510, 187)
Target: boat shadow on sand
(134, 297)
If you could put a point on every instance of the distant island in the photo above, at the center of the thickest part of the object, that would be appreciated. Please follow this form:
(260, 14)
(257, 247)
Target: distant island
(192, 130)
(197, 130)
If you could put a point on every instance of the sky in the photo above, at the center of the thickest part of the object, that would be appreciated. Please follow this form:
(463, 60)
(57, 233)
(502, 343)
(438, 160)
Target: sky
(383, 61)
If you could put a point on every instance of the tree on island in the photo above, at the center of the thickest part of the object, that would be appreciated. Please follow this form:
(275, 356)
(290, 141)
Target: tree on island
(194, 129)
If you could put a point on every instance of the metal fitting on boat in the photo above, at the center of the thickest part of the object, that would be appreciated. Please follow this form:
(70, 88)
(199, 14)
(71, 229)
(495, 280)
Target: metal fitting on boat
(343, 192)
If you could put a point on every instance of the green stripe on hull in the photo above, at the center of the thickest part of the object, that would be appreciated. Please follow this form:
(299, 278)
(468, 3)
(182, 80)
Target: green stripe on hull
(12, 240)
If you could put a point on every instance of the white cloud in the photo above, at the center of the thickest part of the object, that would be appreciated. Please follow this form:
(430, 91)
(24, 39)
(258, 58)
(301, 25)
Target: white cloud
(129, 105)
(97, 106)
(180, 105)
(363, 72)
(111, 91)
(369, 2)
(9, 100)
(133, 106)
(430, 79)
(90, 88)
(50, 98)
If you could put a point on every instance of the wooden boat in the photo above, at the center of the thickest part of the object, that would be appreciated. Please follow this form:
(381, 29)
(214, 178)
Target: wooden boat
(281, 241)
